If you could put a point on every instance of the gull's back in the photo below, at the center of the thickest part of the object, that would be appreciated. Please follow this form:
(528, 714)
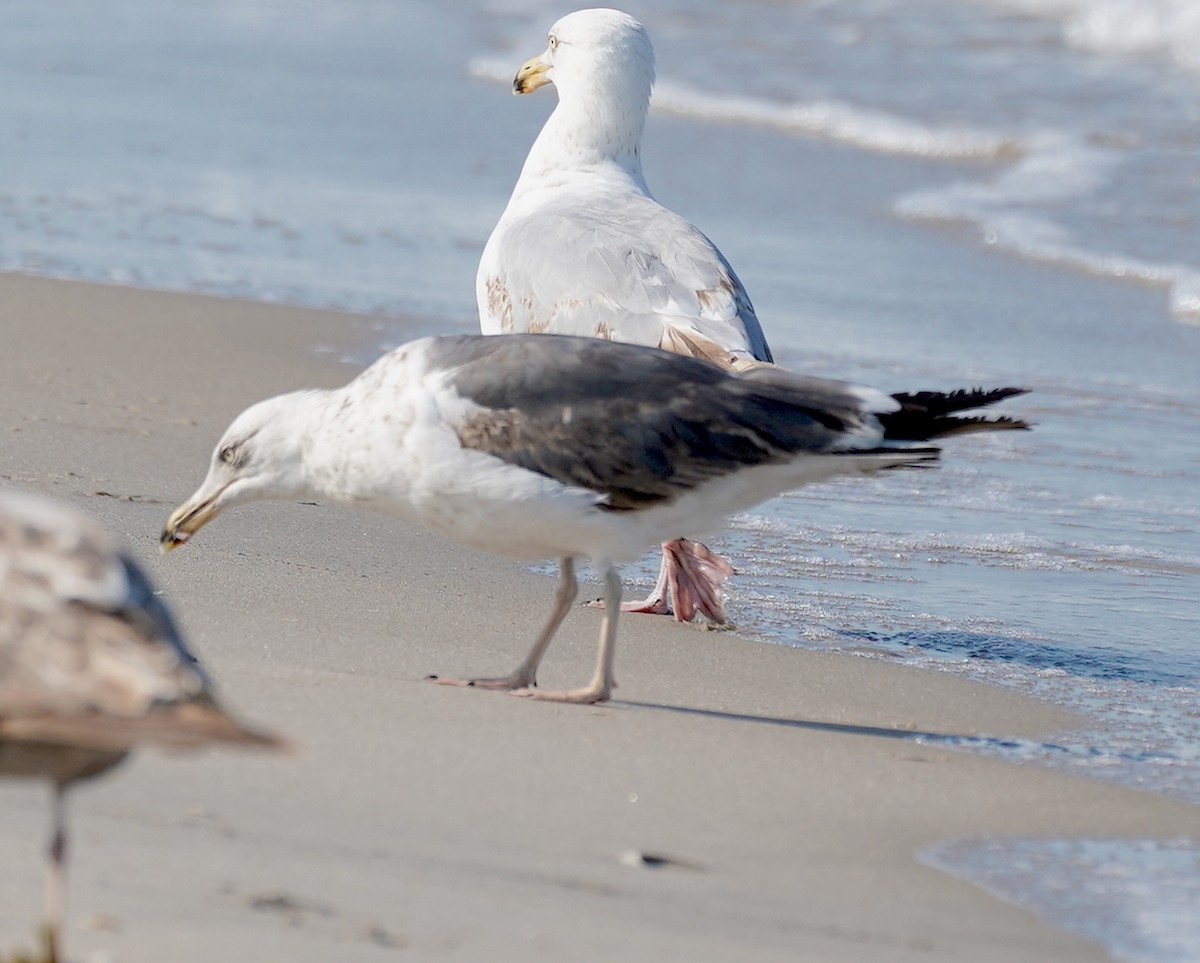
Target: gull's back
(583, 248)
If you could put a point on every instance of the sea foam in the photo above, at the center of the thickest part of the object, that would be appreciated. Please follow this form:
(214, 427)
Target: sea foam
(1125, 27)
(1056, 168)
(857, 126)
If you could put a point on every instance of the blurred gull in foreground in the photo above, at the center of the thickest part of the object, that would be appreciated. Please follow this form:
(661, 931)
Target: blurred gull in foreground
(549, 446)
(91, 665)
(583, 248)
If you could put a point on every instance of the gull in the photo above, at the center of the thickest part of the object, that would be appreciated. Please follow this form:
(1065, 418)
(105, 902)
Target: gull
(583, 248)
(555, 446)
(91, 665)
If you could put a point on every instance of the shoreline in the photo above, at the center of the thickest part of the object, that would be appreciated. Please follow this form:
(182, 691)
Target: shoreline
(783, 782)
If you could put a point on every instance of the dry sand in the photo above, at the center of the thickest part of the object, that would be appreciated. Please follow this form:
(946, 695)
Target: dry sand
(422, 822)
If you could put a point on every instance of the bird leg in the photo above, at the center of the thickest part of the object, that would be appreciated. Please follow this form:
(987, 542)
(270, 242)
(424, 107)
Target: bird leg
(656, 603)
(689, 581)
(525, 675)
(602, 684)
(56, 878)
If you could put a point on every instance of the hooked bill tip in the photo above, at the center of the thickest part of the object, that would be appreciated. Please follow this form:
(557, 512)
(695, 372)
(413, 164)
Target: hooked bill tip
(170, 540)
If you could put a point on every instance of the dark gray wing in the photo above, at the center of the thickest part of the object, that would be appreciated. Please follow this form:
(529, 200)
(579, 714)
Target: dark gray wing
(634, 424)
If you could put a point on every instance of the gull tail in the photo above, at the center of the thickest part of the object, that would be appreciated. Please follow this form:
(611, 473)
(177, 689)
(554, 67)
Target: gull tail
(925, 415)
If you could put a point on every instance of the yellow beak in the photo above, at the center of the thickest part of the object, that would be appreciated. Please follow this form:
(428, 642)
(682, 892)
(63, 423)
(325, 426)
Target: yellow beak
(186, 520)
(531, 76)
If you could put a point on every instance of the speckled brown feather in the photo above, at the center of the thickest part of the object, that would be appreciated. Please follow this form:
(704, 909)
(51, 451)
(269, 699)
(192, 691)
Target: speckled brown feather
(89, 656)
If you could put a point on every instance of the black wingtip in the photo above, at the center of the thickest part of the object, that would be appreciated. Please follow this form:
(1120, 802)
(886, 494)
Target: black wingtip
(962, 399)
(925, 415)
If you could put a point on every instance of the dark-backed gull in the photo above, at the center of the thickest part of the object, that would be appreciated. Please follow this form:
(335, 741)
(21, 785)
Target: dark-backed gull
(553, 446)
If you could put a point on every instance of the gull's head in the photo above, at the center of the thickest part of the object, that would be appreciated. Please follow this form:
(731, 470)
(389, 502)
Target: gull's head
(260, 456)
(600, 48)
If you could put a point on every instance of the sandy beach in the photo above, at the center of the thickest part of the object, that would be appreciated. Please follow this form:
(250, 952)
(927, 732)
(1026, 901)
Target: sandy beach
(782, 786)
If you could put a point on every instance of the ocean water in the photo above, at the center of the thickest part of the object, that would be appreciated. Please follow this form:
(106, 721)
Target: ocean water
(917, 193)
(1138, 896)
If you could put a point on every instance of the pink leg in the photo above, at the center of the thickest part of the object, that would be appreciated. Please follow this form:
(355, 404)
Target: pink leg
(698, 575)
(525, 675)
(657, 602)
(602, 684)
(689, 581)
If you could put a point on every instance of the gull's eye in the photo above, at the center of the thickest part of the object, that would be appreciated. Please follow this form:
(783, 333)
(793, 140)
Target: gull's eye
(228, 454)
(553, 42)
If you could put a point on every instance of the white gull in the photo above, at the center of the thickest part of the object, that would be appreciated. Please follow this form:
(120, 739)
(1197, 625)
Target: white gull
(583, 248)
